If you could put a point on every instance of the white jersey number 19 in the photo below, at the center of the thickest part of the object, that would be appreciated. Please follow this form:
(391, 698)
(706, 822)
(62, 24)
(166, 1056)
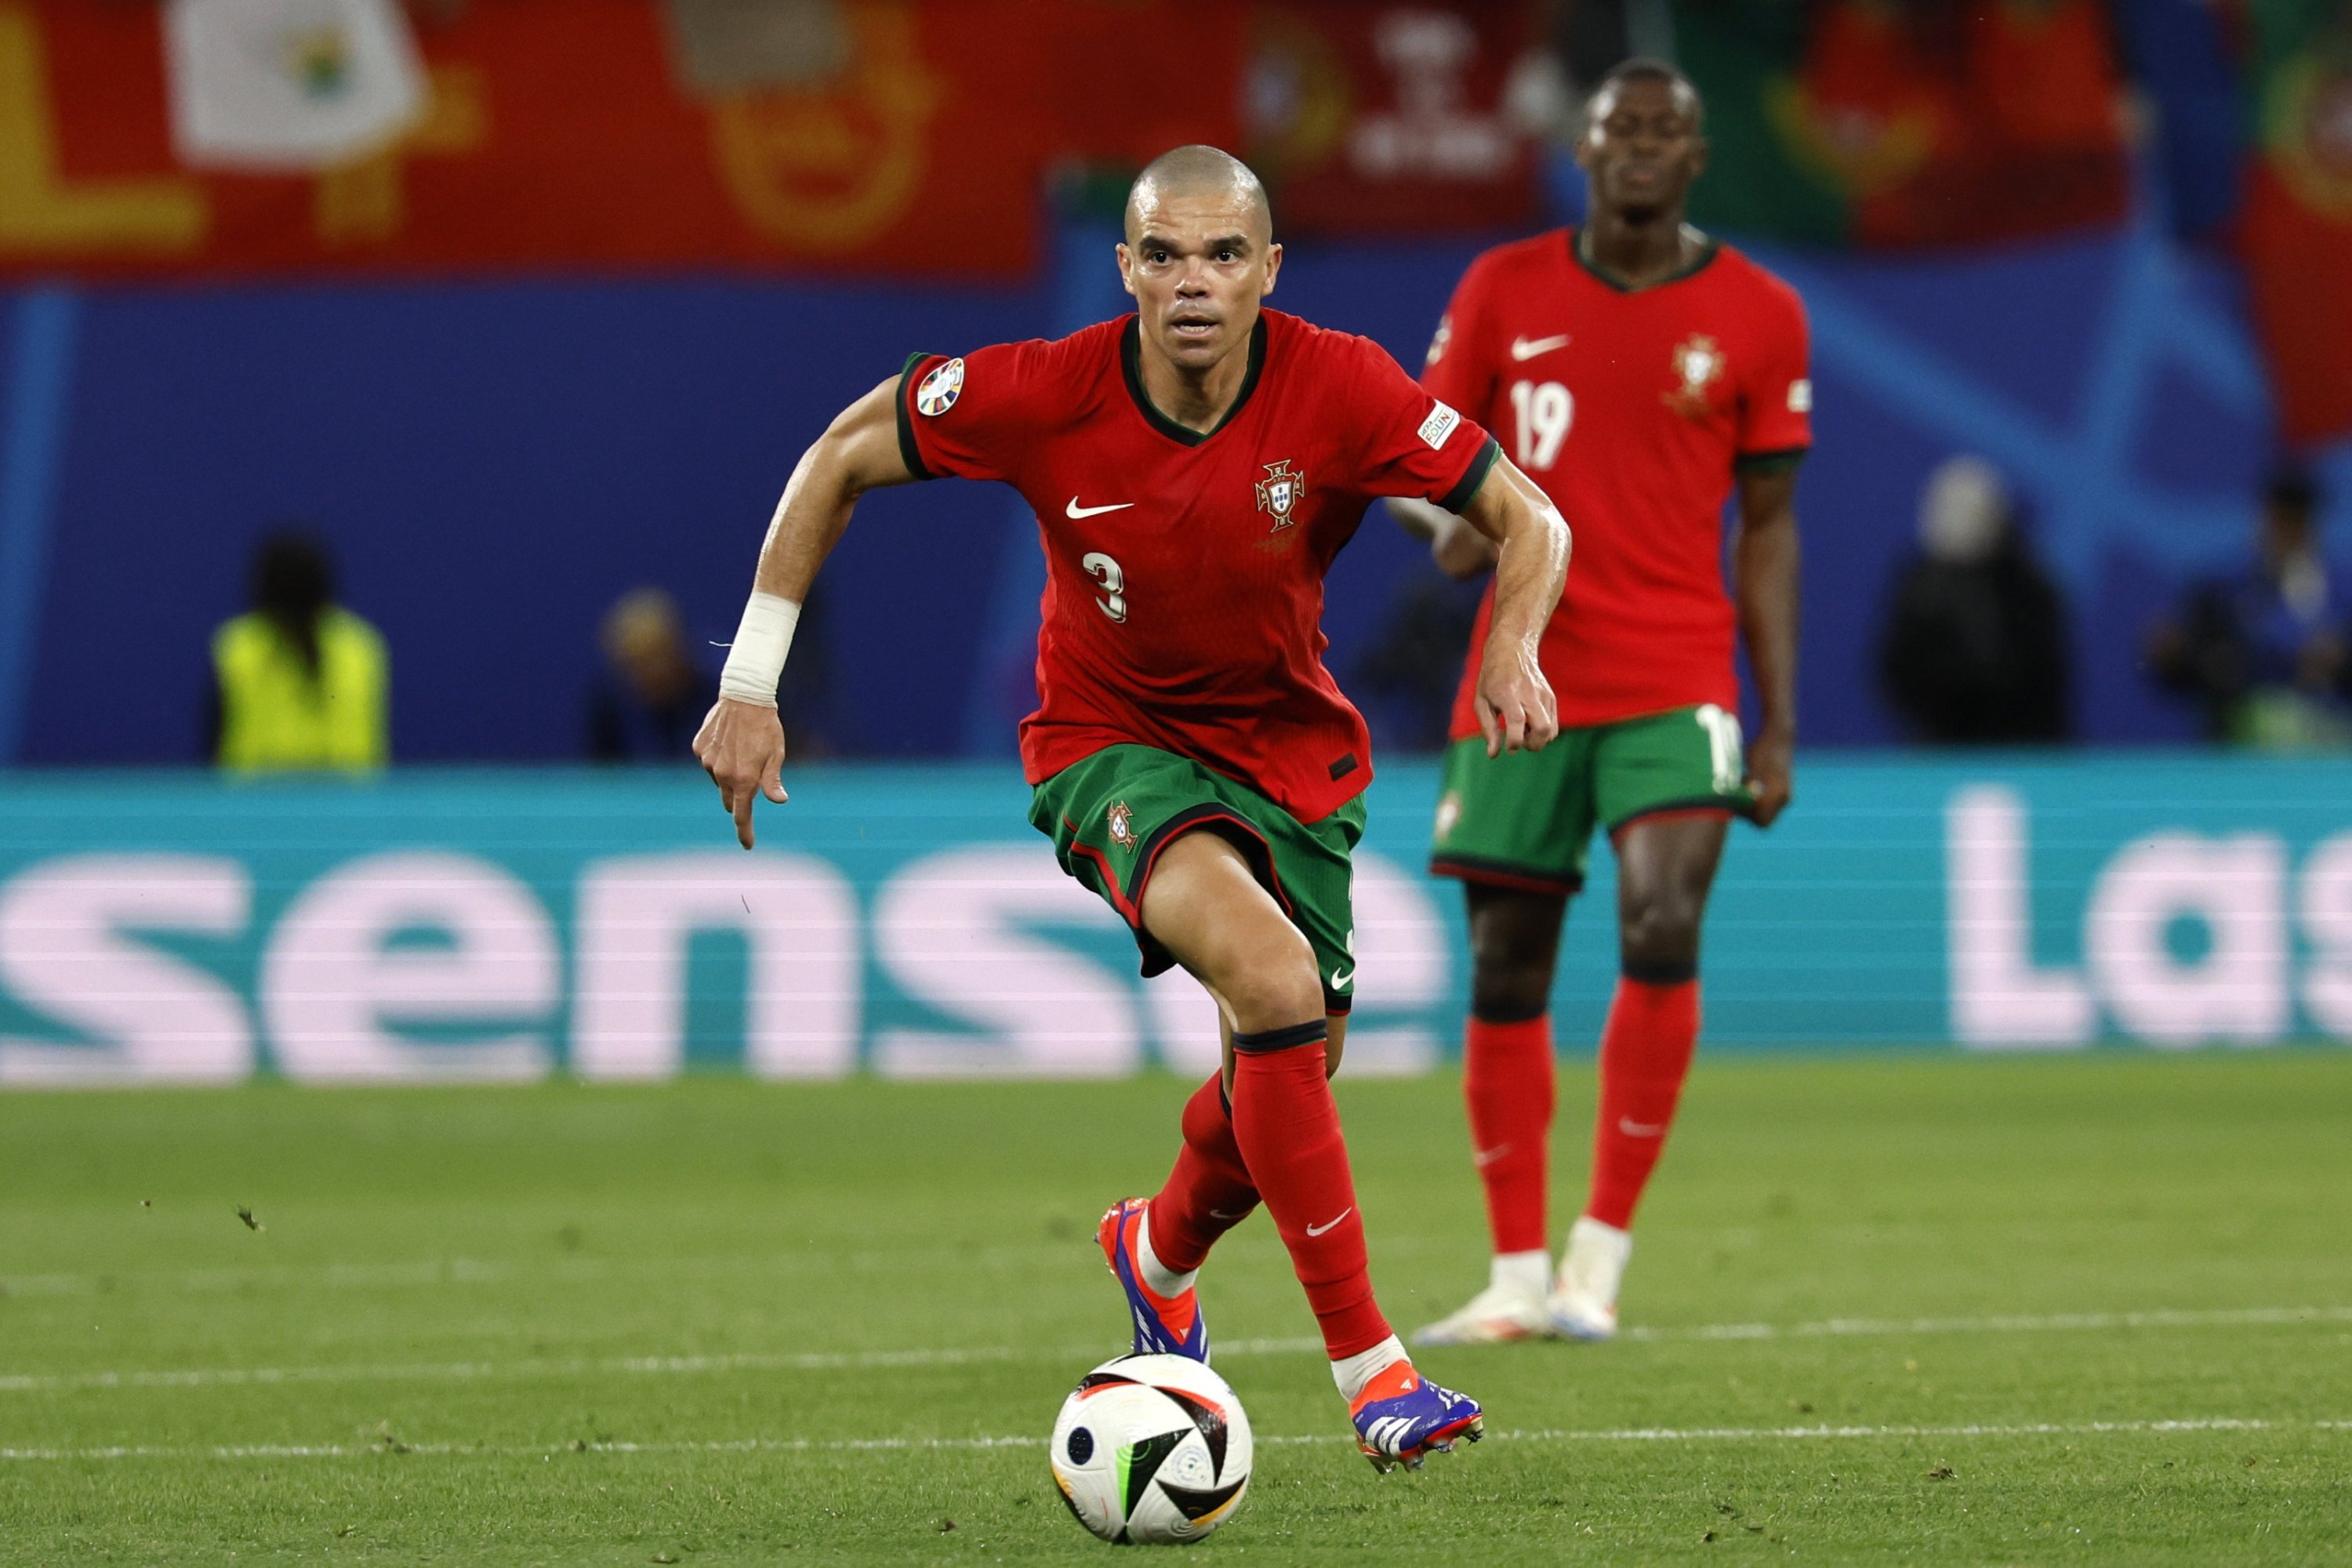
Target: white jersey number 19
(1546, 410)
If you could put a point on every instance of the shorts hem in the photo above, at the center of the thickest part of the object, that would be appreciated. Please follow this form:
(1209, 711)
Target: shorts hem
(1502, 874)
(1229, 825)
(1710, 804)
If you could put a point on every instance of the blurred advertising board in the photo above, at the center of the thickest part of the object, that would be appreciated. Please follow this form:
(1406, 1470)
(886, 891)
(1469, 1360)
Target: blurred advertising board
(502, 926)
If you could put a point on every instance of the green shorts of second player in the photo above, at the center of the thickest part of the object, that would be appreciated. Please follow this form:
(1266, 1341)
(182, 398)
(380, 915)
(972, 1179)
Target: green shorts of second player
(1110, 815)
(1524, 819)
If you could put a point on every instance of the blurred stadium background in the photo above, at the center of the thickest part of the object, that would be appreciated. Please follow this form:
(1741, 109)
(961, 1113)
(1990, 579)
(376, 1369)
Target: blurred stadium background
(510, 317)
(522, 309)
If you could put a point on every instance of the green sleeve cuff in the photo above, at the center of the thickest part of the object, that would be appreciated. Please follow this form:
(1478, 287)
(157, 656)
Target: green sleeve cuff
(1454, 499)
(1774, 462)
(908, 452)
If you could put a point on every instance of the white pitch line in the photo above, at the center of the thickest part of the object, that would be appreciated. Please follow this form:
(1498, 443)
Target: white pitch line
(845, 1361)
(890, 1445)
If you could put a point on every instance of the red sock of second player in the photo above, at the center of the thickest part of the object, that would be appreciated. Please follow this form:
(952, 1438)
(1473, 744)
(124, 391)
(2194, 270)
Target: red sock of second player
(1508, 1077)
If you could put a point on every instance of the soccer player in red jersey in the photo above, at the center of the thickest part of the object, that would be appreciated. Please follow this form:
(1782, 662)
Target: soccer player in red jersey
(1195, 468)
(1643, 373)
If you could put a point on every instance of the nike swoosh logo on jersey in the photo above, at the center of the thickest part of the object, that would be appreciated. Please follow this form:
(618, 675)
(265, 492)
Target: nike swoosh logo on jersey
(1075, 511)
(1632, 1129)
(1342, 978)
(1319, 1229)
(1482, 1158)
(1525, 349)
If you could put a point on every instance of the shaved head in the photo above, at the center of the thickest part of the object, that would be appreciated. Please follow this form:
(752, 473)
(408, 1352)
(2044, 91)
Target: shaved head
(1193, 172)
(1685, 95)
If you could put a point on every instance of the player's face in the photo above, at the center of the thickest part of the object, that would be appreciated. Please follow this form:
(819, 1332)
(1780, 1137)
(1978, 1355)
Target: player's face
(1643, 146)
(1197, 266)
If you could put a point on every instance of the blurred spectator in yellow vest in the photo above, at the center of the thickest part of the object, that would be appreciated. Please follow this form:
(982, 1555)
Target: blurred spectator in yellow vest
(300, 683)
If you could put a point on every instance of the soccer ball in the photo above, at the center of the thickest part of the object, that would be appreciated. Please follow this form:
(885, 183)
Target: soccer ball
(1151, 1451)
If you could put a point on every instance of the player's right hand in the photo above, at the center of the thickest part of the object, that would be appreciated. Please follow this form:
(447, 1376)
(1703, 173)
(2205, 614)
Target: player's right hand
(1516, 710)
(742, 747)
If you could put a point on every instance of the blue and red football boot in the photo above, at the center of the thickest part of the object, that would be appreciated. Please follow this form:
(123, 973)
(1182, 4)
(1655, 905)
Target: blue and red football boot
(1401, 1418)
(1162, 1326)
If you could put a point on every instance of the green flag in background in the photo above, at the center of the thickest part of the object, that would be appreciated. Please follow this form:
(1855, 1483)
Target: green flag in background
(1934, 122)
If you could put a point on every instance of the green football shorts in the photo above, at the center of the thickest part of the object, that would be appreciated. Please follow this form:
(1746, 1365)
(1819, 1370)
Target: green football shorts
(1524, 819)
(1110, 815)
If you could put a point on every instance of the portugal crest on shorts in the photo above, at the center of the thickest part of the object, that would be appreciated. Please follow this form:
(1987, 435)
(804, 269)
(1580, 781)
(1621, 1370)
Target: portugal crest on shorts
(1279, 491)
(1122, 826)
(1698, 365)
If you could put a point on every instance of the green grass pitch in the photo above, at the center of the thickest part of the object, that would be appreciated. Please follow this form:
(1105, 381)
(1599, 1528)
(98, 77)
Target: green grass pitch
(2096, 1310)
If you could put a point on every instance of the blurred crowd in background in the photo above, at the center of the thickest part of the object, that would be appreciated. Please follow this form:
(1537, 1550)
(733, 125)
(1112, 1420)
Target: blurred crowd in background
(524, 307)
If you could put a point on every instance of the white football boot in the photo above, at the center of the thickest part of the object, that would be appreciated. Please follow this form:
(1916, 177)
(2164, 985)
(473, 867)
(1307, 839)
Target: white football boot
(1583, 1301)
(1510, 1308)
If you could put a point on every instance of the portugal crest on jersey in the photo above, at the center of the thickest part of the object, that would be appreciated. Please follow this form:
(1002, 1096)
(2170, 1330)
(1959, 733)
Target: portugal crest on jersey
(1278, 492)
(1698, 365)
(1122, 826)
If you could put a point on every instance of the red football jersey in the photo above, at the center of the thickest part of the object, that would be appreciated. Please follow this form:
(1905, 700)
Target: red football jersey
(1632, 410)
(1184, 572)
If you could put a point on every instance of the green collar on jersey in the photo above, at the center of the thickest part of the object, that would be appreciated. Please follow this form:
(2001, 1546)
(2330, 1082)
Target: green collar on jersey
(1707, 252)
(1131, 359)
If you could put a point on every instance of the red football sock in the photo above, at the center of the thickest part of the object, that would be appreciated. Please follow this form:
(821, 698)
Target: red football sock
(1507, 1076)
(1209, 1192)
(1288, 1128)
(1645, 1052)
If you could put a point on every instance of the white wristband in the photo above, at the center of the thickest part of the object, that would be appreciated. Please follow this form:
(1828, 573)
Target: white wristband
(756, 661)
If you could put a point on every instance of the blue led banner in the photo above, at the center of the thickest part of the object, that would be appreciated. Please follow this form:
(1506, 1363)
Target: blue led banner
(509, 925)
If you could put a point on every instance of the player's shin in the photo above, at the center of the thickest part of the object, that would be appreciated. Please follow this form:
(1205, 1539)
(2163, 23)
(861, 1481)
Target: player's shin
(1288, 1127)
(1208, 1190)
(1645, 1054)
(1507, 1081)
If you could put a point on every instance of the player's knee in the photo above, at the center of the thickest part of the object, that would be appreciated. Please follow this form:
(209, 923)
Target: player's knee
(1270, 981)
(1659, 930)
(1503, 991)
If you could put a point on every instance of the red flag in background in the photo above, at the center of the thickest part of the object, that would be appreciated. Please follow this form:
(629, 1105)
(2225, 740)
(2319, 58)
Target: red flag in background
(1931, 122)
(1392, 119)
(2296, 228)
(1982, 123)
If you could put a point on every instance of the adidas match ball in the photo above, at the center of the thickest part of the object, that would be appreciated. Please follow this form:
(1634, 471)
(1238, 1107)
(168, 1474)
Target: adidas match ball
(1151, 1451)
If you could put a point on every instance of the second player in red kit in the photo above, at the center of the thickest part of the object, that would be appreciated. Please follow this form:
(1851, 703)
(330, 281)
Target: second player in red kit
(1643, 374)
(1193, 469)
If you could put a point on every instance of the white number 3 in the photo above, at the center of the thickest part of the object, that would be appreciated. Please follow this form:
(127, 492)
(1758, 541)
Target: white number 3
(1105, 570)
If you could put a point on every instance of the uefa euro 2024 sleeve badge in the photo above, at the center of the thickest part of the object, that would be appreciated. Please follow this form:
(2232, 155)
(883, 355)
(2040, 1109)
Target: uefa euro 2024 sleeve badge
(1278, 492)
(1699, 364)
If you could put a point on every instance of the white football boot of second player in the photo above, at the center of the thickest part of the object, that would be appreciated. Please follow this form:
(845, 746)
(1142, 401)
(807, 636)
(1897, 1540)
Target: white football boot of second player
(1583, 1301)
(1510, 1308)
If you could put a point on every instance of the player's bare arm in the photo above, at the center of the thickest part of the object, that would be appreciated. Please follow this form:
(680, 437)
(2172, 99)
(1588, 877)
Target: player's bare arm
(1764, 564)
(1515, 709)
(741, 742)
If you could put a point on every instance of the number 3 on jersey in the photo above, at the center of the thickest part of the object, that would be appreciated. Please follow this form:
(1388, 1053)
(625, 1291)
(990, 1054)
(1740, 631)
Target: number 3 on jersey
(1545, 410)
(1105, 570)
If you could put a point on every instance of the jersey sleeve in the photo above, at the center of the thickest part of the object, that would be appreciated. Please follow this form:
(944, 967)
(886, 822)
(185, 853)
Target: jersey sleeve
(1460, 370)
(970, 417)
(1412, 443)
(1776, 404)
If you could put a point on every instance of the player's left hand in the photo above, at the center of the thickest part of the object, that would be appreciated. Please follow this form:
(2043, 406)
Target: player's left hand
(742, 747)
(1772, 761)
(1516, 712)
